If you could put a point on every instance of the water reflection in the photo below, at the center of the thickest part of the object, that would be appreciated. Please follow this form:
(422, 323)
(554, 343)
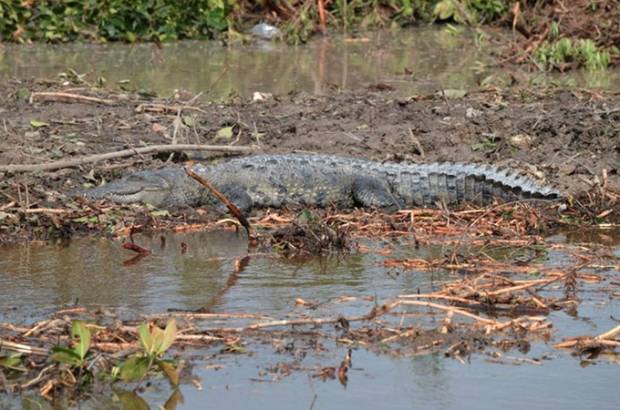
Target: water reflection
(38, 279)
(413, 61)
(422, 59)
(93, 272)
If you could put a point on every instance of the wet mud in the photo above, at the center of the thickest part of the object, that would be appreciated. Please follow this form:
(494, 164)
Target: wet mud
(566, 138)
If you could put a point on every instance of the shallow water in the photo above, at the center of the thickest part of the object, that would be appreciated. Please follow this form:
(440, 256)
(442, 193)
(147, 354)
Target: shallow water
(413, 61)
(37, 280)
(92, 271)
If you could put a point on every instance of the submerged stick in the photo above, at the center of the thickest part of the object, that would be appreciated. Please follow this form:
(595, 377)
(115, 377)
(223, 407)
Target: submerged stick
(50, 166)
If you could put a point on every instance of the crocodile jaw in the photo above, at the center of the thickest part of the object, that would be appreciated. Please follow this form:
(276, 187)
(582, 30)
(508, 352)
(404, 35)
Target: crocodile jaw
(148, 189)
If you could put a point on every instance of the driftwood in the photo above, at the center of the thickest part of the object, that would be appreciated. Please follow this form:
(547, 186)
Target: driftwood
(50, 166)
(606, 339)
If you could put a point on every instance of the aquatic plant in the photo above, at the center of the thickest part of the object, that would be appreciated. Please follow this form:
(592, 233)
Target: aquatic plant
(74, 356)
(155, 342)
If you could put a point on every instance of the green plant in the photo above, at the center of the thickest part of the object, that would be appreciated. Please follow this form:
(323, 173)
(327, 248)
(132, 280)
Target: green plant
(12, 362)
(582, 52)
(74, 356)
(487, 144)
(155, 342)
(469, 11)
(150, 20)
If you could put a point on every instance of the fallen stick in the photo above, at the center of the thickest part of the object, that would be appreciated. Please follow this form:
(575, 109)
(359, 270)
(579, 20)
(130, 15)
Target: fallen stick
(609, 334)
(443, 297)
(449, 309)
(375, 312)
(50, 166)
(43, 325)
(606, 339)
(22, 348)
(527, 285)
(208, 316)
(167, 108)
(58, 96)
(197, 338)
(280, 323)
(586, 342)
(234, 210)
(46, 211)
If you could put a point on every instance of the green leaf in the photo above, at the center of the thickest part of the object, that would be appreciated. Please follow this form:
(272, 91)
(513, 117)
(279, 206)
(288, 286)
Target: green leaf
(87, 219)
(159, 212)
(170, 371)
(225, 133)
(38, 124)
(12, 362)
(66, 355)
(23, 94)
(131, 401)
(170, 333)
(146, 339)
(79, 329)
(444, 10)
(134, 368)
(158, 339)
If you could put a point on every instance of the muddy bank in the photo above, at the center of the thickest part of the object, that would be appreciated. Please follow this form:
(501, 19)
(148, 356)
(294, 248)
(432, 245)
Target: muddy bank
(569, 139)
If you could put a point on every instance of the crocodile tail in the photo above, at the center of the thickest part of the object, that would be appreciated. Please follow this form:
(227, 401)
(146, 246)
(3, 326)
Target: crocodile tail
(458, 182)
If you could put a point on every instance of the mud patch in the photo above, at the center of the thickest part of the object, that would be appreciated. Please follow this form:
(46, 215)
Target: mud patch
(566, 138)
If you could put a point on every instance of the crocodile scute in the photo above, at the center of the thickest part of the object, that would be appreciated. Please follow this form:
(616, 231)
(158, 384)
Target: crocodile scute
(324, 180)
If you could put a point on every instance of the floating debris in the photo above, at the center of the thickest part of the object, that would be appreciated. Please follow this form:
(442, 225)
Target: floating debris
(265, 31)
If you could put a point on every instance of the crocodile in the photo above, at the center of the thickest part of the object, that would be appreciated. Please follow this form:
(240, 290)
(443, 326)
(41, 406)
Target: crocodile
(323, 180)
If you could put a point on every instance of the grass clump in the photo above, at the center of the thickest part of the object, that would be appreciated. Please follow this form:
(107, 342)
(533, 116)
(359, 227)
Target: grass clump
(564, 53)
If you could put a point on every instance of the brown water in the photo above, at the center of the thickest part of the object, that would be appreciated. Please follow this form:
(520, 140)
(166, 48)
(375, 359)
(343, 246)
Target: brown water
(413, 61)
(40, 279)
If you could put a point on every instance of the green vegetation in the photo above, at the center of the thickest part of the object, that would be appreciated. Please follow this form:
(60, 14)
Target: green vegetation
(101, 20)
(549, 42)
(155, 342)
(470, 11)
(75, 367)
(166, 20)
(74, 356)
(559, 54)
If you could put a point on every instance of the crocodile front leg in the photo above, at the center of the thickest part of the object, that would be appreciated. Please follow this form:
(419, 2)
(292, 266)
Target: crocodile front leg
(372, 192)
(235, 194)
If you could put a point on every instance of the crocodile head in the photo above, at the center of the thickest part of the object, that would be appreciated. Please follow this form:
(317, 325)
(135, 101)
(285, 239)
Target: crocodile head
(157, 188)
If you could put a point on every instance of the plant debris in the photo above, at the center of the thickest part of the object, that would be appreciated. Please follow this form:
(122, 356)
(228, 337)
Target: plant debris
(494, 308)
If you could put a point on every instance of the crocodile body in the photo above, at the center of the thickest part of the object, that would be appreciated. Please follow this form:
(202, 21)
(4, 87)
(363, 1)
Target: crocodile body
(323, 180)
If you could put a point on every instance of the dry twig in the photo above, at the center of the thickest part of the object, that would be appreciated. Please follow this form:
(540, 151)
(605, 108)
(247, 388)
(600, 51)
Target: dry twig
(50, 166)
